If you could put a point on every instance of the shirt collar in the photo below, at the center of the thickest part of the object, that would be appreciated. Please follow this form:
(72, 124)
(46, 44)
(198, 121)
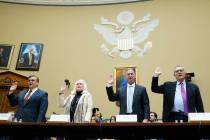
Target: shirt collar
(33, 90)
(133, 85)
(178, 83)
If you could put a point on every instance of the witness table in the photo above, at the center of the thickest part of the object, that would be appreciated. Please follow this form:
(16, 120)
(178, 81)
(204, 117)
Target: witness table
(196, 130)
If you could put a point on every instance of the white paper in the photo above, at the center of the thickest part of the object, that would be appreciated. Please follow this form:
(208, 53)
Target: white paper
(126, 118)
(199, 117)
(6, 116)
(59, 118)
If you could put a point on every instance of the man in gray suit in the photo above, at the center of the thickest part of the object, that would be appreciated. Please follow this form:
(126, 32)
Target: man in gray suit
(32, 103)
(132, 97)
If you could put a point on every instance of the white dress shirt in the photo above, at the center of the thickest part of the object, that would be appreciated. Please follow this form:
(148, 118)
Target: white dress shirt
(130, 92)
(33, 90)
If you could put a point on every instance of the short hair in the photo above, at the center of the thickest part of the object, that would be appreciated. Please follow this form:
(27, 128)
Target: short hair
(112, 118)
(37, 78)
(156, 116)
(178, 66)
(131, 69)
(95, 109)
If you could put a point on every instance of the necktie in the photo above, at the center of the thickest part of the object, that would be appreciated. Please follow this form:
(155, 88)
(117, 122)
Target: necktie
(26, 98)
(184, 98)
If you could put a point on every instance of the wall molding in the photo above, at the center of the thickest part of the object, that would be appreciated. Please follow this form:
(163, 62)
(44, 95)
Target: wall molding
(70, 2)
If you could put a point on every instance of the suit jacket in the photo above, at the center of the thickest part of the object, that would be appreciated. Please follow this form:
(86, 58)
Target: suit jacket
(26, 59)
(34, 110)
(168, 89)
(84, 107)
(3, 59)
(140, 101)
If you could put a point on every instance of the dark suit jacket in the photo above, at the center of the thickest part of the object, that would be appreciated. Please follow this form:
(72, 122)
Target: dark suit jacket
(140, 101)
(168, 89)
(3, 59)
(34, 110)
(26, 59)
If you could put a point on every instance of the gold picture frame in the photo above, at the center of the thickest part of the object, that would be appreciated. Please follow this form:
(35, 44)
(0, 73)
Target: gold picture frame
(120, 77)
(6, 52)
(29, 57)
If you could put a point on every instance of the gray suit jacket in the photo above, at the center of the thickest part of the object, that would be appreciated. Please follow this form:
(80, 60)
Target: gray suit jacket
(34, 110)
(140, 101)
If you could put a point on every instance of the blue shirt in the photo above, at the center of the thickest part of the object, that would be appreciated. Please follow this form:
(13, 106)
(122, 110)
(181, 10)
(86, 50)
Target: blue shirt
(178, 101)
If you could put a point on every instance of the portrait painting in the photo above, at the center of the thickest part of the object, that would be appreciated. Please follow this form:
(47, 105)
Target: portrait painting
(29, 57)
(6, 52)
(120, 76)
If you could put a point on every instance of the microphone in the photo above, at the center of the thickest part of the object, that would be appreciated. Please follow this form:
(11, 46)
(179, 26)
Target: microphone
(67, 82)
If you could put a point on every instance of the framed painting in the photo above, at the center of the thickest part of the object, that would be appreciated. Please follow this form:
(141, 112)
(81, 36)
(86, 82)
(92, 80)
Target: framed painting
(29, 57)
(6, 52)
(120, 76)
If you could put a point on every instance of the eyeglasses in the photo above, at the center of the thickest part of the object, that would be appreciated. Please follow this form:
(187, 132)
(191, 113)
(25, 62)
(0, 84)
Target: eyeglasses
(31, 80)
(179, 70)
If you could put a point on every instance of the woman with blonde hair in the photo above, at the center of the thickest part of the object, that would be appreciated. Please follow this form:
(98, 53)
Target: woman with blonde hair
(78, 104)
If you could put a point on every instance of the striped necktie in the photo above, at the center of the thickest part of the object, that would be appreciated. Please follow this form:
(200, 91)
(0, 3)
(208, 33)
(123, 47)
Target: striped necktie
(26, 98)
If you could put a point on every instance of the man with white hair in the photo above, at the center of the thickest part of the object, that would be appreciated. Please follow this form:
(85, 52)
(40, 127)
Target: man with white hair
(29, 58)
(179, 97)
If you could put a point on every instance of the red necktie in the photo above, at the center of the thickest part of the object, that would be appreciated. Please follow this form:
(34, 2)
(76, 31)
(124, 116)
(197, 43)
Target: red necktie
(26, 98)
(184, 98)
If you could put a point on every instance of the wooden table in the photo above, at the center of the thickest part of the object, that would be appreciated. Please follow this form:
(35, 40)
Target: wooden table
(196, 130)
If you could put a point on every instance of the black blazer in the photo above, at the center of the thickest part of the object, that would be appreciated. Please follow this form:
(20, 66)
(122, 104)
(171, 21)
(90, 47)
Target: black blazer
(168, 89)
(140, 101)
(34, 110)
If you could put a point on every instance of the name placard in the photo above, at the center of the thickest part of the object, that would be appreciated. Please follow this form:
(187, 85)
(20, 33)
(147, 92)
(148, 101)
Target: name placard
(6, 116)
(198, 117)
(59, 118)
(126, 118)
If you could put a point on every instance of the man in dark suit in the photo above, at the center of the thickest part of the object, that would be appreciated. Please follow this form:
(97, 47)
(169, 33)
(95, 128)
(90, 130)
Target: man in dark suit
(179, 97)
(29, 58)
(32, 103)
(133, 98)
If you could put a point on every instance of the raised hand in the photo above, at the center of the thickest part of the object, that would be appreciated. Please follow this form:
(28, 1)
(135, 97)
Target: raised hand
(13, 87)
(110, 80)
(157, 72)
(63, 88)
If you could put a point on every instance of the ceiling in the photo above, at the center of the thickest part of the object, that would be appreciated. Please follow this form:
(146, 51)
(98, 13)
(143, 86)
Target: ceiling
(69, 2)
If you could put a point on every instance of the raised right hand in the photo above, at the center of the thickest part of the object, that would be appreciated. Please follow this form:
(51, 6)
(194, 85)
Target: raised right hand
(110, 80)
(63, 88)
(13, 87)
(157, 72)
